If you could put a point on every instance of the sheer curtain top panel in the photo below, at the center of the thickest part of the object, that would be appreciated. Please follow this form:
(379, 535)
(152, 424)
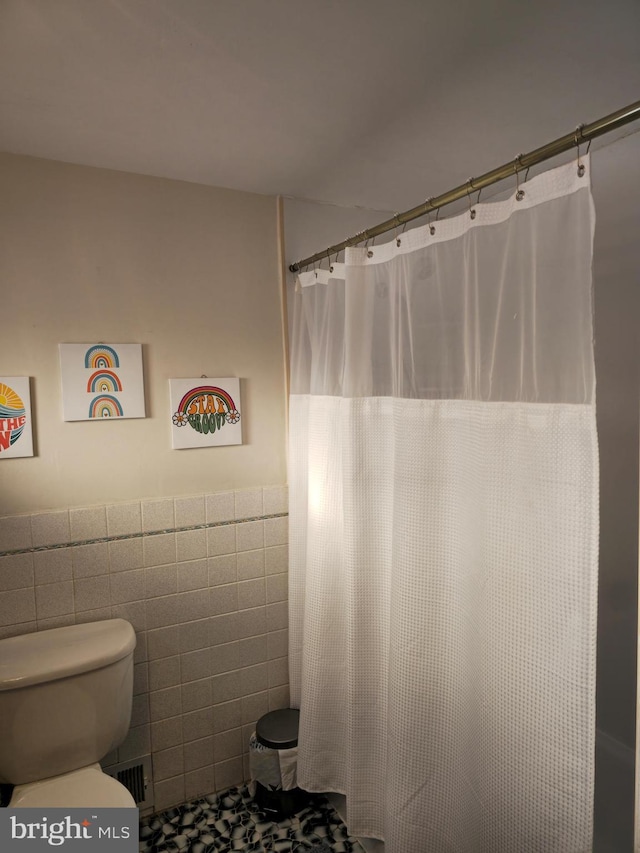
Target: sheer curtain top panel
(469, 312)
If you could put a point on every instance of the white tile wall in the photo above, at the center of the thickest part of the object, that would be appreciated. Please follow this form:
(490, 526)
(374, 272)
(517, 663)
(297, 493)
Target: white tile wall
(251, 564)
(88, 560)
(16, 571)
(220, 507)
(248, 504)
(123, 519)
(250, 535)
(52, 566)
(50, 528)
(275, 500)
(208, 605)
(15, 533)
(89, 523)
(189, 512)
(158, 515)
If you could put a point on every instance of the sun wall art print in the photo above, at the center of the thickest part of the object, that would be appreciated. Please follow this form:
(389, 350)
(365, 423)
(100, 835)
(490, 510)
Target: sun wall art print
(16, 435)
(205, 412)
(101, 381)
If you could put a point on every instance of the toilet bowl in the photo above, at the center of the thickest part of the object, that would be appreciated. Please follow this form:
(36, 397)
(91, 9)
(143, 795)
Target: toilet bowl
(85, 788)
(65, 702)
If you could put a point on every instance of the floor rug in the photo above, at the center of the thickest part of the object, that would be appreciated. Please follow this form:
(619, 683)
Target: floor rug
(231, 821)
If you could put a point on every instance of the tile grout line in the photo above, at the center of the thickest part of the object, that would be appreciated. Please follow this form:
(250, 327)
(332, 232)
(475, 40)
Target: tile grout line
(126, 536)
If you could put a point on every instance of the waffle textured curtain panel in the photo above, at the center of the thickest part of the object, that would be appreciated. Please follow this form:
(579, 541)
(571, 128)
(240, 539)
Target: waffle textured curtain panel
(444, 528)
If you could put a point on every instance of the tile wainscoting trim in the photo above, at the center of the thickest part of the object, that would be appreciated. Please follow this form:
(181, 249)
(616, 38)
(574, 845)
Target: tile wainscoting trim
(138, 535)
(203, 581)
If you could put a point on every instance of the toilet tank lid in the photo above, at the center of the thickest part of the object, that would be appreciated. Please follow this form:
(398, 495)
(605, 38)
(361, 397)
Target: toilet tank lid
(61, 652)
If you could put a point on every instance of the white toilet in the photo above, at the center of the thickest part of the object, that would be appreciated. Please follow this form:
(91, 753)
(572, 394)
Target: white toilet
(65, 702)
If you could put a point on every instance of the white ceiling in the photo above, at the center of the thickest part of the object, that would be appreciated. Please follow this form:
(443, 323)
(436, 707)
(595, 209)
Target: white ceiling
(377, 103)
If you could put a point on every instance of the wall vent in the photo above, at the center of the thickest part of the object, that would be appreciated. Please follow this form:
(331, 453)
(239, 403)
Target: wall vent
(137, 778)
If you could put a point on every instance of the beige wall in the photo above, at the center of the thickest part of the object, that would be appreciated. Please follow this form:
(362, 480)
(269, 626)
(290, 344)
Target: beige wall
(188, 271)
(106, 520)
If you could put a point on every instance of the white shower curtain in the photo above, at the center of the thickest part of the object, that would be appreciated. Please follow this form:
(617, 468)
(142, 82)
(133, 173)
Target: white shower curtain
(444, 529)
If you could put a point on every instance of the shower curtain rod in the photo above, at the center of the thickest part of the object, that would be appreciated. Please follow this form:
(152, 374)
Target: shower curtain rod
(583, 133)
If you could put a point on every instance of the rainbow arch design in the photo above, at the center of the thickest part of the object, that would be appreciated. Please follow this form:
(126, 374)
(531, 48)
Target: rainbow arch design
(101, 356)
(12, 411)
(103, 381)
(105, 406)
(203, 390)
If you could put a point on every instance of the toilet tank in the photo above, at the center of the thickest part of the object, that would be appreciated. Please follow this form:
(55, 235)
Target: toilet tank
(65, 698)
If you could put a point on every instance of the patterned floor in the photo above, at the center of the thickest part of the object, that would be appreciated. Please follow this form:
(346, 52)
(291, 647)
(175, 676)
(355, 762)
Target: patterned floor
(231, 821)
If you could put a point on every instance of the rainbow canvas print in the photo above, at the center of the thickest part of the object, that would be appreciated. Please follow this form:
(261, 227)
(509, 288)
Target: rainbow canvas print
(16, 437)
(205, 412)
(101, 381)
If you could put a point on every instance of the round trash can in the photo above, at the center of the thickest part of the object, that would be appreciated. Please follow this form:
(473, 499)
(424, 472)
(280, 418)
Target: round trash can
(273, 759)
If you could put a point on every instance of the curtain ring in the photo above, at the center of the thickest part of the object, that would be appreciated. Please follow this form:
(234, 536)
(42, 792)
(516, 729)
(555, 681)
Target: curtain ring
(581, 167)
(369, 251)
(404, 225)
(432, 228)
(472, 212)
(519, 192)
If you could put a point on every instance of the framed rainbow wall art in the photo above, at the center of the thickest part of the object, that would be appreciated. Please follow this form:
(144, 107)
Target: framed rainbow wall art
(205, 412)
(101, 381)
(16, 435)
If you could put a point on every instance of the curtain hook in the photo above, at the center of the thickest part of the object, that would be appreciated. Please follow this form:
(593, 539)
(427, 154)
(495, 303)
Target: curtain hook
(470, 188)
(398, 224)
(518, 162)
(432, 228)
(576, 138)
